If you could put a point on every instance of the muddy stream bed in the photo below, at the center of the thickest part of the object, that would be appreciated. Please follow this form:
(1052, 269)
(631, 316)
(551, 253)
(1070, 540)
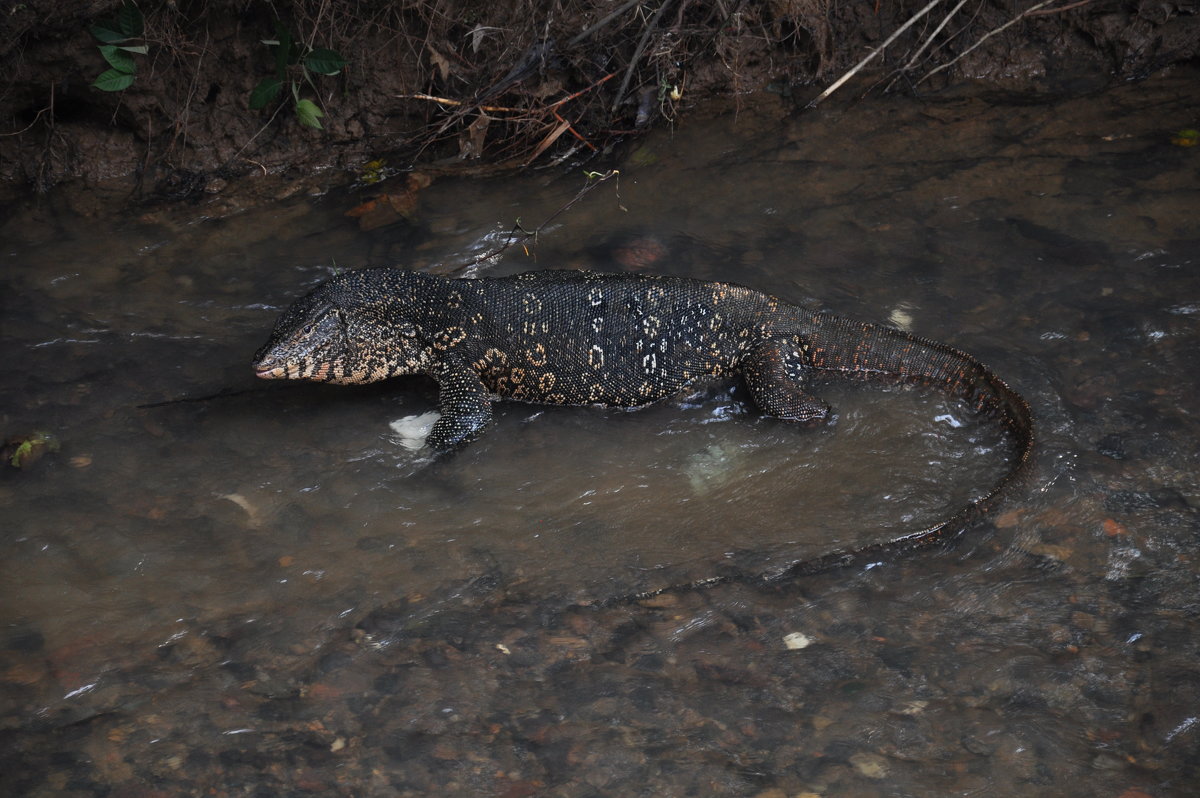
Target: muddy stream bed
(267, 593)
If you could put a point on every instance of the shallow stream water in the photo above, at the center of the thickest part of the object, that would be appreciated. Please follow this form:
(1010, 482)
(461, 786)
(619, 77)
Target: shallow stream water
(266, 593)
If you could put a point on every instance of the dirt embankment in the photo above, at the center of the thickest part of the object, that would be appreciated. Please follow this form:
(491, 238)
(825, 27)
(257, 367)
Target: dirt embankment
(209, 99)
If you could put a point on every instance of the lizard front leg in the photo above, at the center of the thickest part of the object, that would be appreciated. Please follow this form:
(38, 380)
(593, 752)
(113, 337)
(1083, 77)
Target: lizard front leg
(465, 405)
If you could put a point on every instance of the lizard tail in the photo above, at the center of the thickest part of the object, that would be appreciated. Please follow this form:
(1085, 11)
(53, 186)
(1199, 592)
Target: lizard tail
(870, 351)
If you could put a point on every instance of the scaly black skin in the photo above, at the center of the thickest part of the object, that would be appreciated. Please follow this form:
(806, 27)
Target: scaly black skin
(616, 340)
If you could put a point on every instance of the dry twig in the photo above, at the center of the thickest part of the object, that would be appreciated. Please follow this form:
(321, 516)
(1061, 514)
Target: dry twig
(837, 84)
(1048, 11)
(459, 103)
(945, 21)
(1027, 12)
(637, 54)
(594, 181)
(589, 31)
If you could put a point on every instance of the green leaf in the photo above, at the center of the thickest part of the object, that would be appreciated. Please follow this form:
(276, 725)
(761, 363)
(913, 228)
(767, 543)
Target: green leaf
(129, 21)
(1186, 138)
(140, 49)
(265, 93)
(24, 450)
(118, 59)
(309, 114)
(32, 448)
(324, 61)
(107, 36)
(113, 80)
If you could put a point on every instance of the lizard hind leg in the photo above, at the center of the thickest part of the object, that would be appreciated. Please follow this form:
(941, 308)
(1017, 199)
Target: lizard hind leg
(775, 373)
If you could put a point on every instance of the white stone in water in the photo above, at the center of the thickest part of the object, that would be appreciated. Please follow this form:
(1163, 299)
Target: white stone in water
(796, 640)
(915, 707)
(253, 519)
(712, 467)
(900, 317)
(872, 766)
(411, 431)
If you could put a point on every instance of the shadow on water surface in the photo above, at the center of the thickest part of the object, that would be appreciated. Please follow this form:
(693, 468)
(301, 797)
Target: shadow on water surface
(265, 593)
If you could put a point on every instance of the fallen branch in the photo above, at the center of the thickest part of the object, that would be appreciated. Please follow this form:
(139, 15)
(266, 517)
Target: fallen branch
(448, 101)
(528, 115)
(562, 127)
(570, 97)
(855, 69)
(637, 53)
(1047, 12)
(945, 21)
(595, 179)
(1027, 12)
(588, 32)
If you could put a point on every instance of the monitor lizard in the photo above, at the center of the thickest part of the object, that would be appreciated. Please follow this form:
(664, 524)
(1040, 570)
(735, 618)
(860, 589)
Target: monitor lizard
(565, 337)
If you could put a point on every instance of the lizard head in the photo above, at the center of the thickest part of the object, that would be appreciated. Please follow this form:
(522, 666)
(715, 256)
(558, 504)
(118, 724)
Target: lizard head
(344, 331)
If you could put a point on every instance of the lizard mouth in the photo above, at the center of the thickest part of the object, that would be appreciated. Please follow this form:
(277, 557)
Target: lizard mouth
(318, 373)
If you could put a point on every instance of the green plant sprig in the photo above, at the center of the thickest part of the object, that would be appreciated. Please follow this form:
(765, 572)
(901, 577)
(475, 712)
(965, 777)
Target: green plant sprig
(115, 37)
(311, 60)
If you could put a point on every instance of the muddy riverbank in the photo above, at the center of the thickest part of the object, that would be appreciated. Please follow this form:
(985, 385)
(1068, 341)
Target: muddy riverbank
(213, 93)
